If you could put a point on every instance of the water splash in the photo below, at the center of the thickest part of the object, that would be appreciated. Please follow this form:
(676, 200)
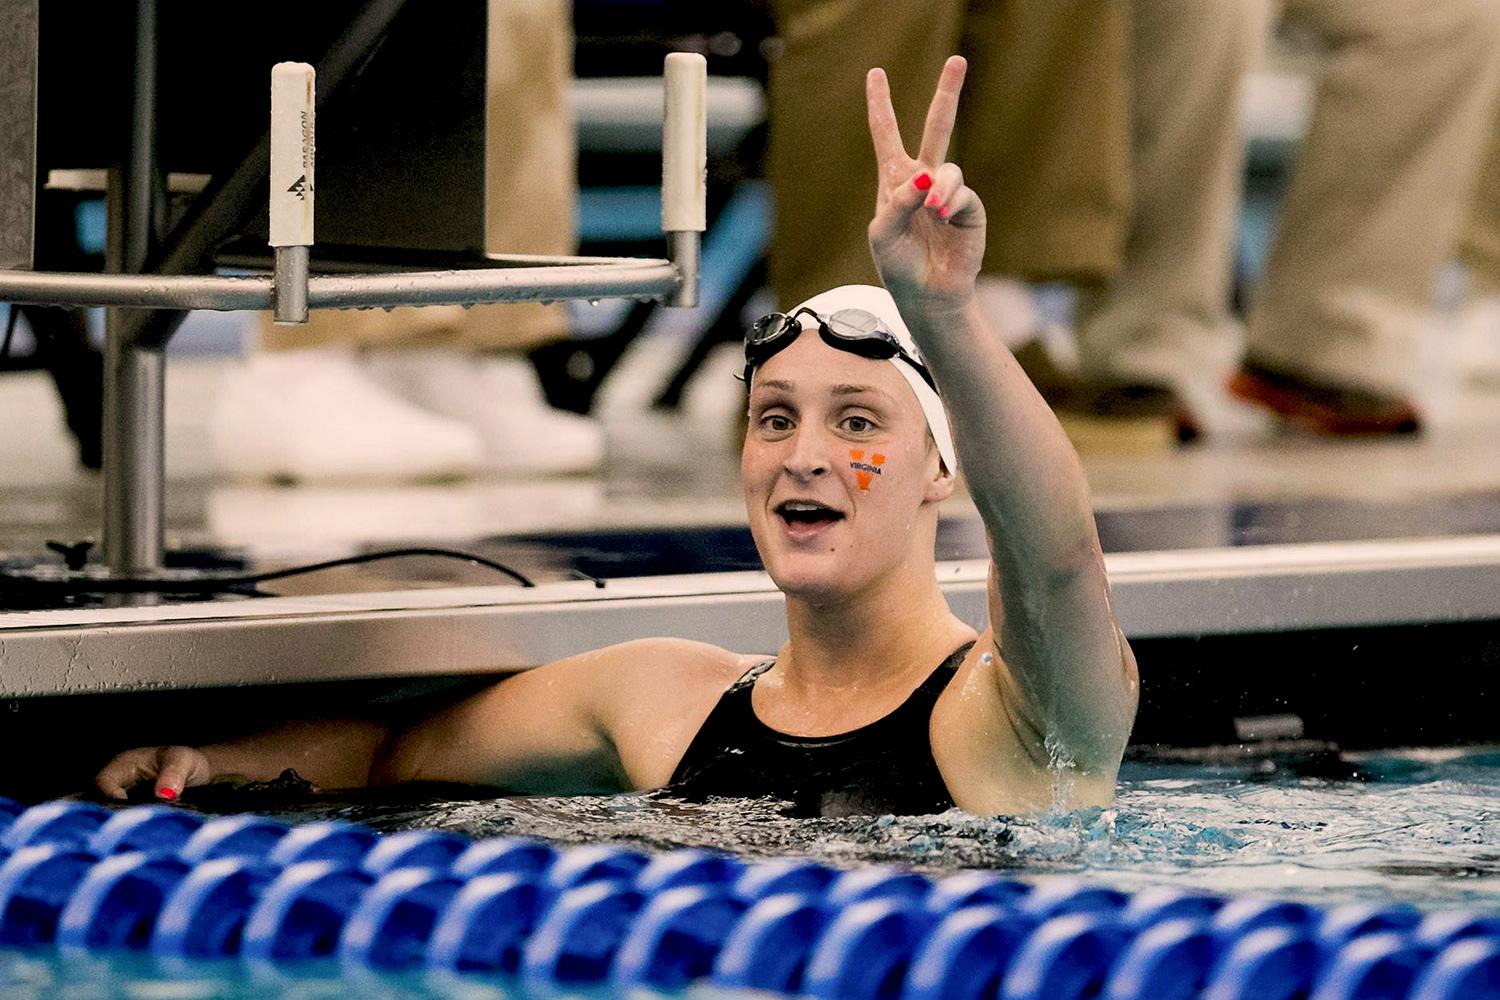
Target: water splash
(1064, 771)
(1428, 833)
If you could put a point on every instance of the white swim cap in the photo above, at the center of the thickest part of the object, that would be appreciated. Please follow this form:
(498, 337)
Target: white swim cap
(877, 301)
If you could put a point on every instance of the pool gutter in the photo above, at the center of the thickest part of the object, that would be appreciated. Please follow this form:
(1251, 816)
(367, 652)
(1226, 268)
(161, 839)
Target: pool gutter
(451, 631)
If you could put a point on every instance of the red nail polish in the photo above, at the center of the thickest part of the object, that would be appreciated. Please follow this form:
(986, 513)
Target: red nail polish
(943, 212)
(166, 793)
(923, 181)
(932, 200)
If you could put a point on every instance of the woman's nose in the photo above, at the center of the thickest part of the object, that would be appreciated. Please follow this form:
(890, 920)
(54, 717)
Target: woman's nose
(809, 455)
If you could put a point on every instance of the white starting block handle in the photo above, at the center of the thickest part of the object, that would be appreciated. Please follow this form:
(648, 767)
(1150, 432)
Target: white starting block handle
(293, 89)
(684, 168)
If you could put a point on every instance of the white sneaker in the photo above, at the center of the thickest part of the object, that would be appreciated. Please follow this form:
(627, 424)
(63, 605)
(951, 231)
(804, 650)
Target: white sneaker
(315, 416)
(1476, 351)
(501, 399)
(1009, 307)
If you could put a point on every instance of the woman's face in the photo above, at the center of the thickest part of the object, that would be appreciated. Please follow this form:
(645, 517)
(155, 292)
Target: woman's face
(838, 469)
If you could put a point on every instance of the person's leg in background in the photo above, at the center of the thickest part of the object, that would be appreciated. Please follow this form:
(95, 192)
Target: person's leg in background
(443, 390)
(1042, 135)
(1478, 322)
(1379, 190)
(1162, 331)
(1045, 137)
(1046, 143)
(819, 158)
(530, 207)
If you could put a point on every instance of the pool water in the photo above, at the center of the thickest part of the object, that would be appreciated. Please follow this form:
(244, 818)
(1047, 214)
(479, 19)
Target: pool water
(1421, 827)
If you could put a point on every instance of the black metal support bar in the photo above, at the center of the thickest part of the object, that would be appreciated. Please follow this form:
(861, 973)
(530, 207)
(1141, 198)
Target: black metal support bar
(134, 375)
(230, 201)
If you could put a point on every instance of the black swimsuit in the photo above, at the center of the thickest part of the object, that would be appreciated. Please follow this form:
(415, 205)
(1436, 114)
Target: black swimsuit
(884, 767)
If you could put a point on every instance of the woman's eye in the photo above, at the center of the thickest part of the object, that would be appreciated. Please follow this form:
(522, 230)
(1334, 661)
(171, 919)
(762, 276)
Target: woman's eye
(859, 425)
(775, 422)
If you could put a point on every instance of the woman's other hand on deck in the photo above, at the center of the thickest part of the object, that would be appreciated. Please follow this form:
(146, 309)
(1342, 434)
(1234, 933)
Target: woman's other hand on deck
(169, 769)
(928, 232)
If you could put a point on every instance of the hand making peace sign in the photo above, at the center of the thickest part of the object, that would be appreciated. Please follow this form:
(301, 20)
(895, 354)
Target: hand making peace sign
(928, 232)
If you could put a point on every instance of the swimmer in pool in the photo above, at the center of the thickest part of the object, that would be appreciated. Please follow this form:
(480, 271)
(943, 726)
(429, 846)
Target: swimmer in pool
(881, 700)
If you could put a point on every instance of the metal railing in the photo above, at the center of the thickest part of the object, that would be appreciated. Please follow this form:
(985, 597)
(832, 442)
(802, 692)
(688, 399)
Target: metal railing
(147, 285)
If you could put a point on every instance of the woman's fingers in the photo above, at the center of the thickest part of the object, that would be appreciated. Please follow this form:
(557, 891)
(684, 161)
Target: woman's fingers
(947, 181)
(903, 202)
(942, 112)
(942, 193)
(126, 771)
(950, 199)
(884, 132)
(964, 208)
(180, 768)
(170, 769)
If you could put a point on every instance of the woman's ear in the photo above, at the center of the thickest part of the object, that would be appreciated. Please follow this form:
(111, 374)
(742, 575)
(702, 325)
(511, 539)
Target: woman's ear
(941, 482)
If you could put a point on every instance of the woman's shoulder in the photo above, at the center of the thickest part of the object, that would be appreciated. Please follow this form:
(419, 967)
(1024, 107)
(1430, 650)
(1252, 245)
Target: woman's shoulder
(665, 658)
(652, 695)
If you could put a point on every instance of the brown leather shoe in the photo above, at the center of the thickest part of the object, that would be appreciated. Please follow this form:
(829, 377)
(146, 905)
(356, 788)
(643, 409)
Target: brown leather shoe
(1107, 412)
(1103, 403)
(1321, 407)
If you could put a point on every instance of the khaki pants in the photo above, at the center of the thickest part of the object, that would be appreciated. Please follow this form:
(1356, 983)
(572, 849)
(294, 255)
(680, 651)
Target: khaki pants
(1379, 190)
(530, 191)
(1480, 248)
(1042, 134)
(1167, 311)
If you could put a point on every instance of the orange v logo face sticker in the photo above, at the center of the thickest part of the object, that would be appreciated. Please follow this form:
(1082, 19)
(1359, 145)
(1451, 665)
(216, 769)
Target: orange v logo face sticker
(865, 472)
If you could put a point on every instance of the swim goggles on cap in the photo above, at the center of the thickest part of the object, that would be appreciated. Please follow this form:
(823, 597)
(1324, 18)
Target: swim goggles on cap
(853, 330)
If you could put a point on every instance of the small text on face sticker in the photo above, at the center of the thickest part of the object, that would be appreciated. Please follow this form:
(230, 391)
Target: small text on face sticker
(865, 472)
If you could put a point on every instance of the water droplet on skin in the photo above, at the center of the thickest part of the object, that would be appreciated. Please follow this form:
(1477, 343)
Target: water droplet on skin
(1063, 768)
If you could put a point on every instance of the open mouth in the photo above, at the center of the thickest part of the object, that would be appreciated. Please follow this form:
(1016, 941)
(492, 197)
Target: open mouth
(797, 513)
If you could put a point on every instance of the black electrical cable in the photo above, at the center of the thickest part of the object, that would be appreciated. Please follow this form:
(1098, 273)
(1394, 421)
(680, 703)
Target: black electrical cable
(367, 557)
(231, 584)
(579, 574)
